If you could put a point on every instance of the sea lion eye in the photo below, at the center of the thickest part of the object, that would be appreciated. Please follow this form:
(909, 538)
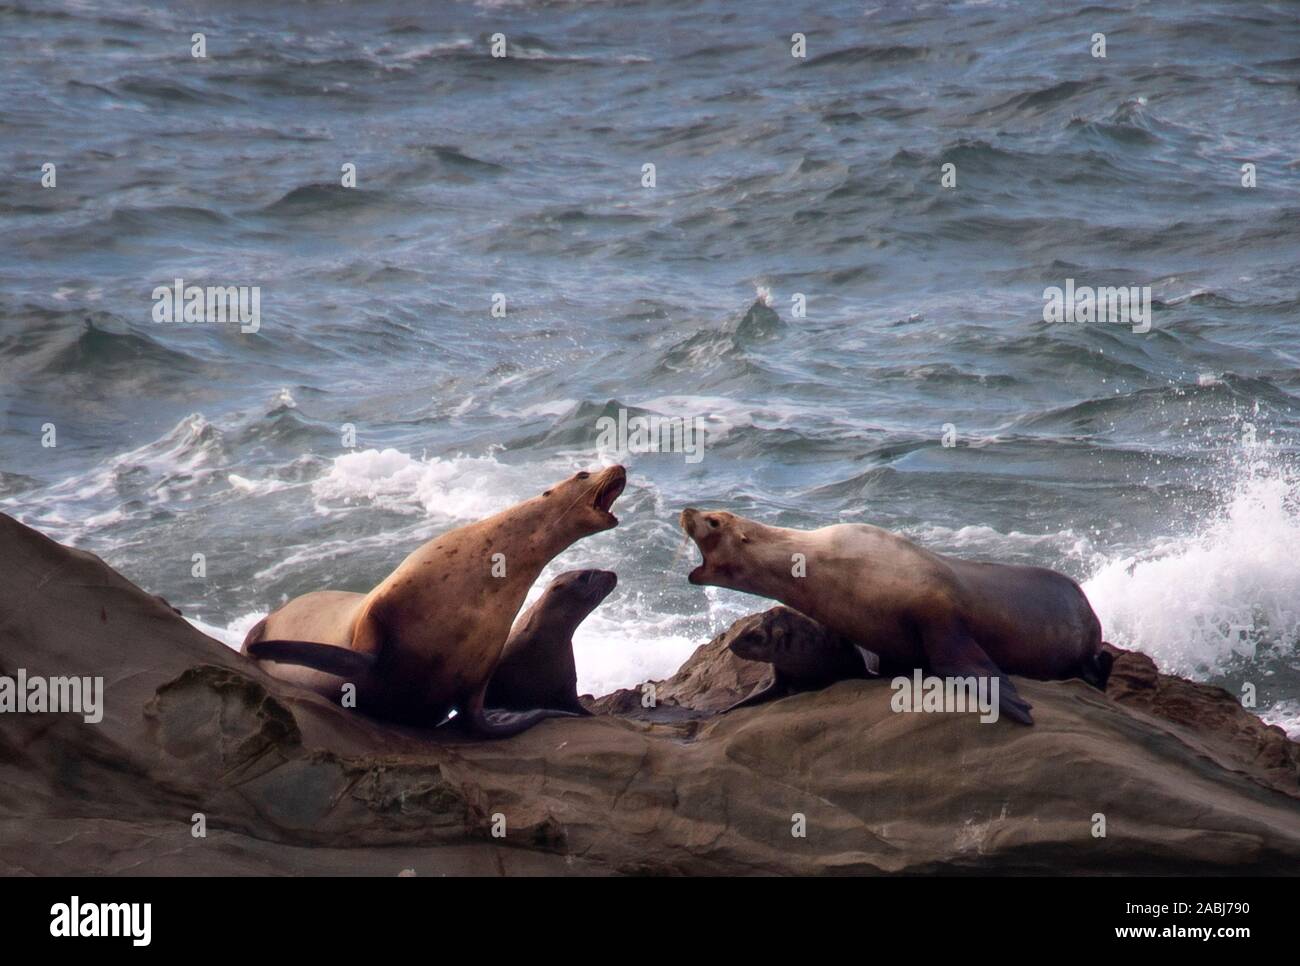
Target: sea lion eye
(713, 522)
(583, 475)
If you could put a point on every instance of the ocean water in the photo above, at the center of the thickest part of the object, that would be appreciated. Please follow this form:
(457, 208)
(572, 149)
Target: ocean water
(1158, 468)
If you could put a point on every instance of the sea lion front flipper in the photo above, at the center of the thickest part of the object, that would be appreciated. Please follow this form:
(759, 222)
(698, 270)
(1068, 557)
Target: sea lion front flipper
(329, 658)
(777, 689)
(951, 652)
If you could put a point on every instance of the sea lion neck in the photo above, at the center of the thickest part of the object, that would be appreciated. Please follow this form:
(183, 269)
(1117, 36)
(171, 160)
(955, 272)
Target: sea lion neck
(772, 563)
(553, 527)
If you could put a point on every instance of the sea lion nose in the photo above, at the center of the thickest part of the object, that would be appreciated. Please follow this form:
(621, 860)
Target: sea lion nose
(687, 519)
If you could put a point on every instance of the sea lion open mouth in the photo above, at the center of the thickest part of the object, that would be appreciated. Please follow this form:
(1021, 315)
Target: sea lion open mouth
(687, 522)
(610, 491)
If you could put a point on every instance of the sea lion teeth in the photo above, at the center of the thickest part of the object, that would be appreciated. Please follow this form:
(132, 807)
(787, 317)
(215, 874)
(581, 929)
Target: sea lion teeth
(426, 641)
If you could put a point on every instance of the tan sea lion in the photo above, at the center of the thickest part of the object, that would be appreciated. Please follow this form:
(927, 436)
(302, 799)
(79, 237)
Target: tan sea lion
(911, 607)
(426, 641)
(537, 668)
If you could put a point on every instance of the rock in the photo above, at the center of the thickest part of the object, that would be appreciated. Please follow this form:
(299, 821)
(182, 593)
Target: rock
(714, 678)
(1210, 717)
(287, 782)
(710, 680)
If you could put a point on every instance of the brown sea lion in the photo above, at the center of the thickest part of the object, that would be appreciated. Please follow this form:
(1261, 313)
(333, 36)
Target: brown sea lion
(426, 641)
(912, 607)
(804, 655)
(537, 668)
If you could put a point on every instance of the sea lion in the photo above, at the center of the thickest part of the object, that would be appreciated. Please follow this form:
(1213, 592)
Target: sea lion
(912, 607)
(537, 668)
(804, 655)
(427, 639)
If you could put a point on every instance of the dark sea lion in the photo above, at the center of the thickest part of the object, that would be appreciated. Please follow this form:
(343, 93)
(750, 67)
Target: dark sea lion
(426, 641)
(912, 607)
(804, 655)
(537, 668)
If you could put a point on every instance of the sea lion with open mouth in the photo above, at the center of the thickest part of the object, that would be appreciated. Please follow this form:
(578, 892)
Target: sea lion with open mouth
(911, 607)
(537, 669)
(426, 641)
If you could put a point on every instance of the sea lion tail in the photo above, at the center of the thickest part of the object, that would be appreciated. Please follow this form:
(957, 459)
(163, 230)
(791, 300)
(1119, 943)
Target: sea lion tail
(329, 658)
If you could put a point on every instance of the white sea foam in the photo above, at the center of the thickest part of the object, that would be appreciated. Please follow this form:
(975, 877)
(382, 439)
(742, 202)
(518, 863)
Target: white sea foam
(459, 488)
(1199, 603)
(232, 634)
(613, 652)
(257, 487)
(1286, 715)
(157, 473)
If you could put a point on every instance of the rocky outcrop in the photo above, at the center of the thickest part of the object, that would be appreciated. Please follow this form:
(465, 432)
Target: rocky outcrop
(1207, 717)
(195, 738)
(710, 680)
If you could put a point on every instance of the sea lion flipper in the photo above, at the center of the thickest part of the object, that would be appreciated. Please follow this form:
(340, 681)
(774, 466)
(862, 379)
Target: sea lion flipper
(329, 658)
(777, 689)
(870, 661)
(951, 652)
(497, 722)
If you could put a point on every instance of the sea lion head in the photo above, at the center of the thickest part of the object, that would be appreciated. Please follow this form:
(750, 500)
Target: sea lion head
(723, 540)
(794, 644)
(585, 499)
(579, 592)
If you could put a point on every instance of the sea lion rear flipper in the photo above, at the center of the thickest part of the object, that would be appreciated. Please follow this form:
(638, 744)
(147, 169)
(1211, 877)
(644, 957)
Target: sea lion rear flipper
(951, 652)
(476, 720)
(329, 658)
(496, 723)
(1096, 669)
(777, 689)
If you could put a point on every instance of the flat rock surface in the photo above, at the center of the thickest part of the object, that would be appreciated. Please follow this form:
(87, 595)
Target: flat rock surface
(289, 783)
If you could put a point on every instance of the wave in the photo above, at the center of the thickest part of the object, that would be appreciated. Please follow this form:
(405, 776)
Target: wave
(79, 349)
(708, 348)
(327, 198)
(891, 54)
(1036, 102)
(1228, 593)
(459, 488)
